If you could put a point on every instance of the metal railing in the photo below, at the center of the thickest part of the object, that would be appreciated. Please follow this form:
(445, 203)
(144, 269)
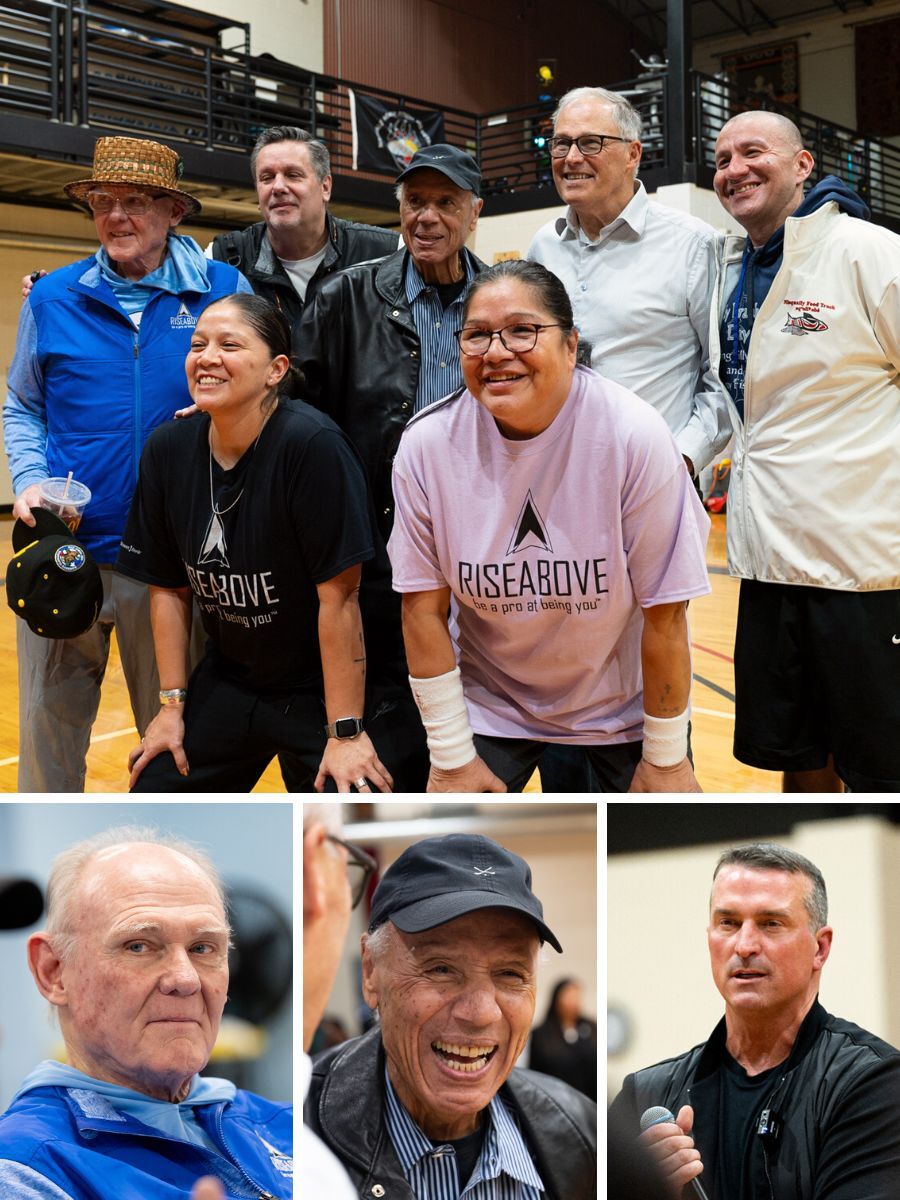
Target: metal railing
(869, 165)
(67, 63)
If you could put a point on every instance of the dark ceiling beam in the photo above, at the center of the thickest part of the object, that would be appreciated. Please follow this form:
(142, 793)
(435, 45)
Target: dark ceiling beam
(738, 22)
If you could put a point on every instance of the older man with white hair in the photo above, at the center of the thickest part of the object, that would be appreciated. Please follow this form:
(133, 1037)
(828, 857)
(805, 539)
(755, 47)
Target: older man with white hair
(134, 960)
(640, 275)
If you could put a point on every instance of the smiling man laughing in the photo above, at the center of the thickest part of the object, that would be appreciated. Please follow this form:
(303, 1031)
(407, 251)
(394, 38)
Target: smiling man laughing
(450, 963)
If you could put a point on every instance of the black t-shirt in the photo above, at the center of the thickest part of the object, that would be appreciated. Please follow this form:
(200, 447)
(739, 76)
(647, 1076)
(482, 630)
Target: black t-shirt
(740, 1165)
(292, 513)
(468, 1151)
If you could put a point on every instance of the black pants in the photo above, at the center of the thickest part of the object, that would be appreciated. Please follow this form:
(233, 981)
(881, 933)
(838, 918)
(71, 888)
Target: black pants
(232, 733)
(513, 760)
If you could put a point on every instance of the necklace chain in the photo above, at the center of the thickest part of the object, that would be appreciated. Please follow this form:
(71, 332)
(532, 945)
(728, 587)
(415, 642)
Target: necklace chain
(220, 512)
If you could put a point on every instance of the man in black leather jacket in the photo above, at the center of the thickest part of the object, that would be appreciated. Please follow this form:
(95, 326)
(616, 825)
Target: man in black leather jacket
(430, 1093)
(361, 348)
(298, 243)
(785, 1101)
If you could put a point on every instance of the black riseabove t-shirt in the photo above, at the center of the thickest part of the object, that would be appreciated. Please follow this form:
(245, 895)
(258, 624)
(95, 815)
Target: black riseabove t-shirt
(740, 1164)
(292, 513)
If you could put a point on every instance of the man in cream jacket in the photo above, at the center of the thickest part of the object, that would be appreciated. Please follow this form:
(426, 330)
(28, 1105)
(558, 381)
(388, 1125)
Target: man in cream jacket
(808, 317)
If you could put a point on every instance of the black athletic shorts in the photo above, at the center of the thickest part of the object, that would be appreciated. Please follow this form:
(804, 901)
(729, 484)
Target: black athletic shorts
(817, 672)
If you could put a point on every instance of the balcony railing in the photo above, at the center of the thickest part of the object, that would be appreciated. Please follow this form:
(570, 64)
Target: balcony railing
(64, 63)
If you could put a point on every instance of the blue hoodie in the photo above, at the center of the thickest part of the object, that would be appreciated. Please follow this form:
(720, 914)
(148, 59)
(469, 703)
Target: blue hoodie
(758, 270)
(67, 1136)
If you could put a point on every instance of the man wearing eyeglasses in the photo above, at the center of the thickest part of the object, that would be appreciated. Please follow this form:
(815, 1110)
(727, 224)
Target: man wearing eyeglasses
(328, 897)
(427, 1104)
(98, 364)
(375, 346)
(640, 275)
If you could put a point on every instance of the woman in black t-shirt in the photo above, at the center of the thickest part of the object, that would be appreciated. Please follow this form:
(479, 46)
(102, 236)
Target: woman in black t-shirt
(256, 507)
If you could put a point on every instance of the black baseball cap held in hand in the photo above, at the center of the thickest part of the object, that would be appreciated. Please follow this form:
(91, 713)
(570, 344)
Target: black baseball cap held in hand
(441, 878)
(459, 167)
(52, 582)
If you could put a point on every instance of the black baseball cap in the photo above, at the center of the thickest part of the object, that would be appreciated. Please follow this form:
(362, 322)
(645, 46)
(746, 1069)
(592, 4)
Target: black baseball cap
(441, 878)
(52, 582)
(459, 167)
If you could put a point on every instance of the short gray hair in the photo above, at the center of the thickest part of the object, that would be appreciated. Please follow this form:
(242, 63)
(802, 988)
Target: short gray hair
(626, 117)
(318, 151)
(768, 856)
(320, 812)
(69, 866)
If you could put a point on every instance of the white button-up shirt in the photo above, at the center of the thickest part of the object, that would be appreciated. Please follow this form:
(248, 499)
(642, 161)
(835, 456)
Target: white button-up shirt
(641, 295)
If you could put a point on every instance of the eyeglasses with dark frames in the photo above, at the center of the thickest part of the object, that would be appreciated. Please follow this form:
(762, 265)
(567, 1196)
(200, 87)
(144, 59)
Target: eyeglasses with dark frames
(518, 338)
(360, 868)
(588, 144)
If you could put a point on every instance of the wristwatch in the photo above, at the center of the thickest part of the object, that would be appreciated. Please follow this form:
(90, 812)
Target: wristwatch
(344, 727)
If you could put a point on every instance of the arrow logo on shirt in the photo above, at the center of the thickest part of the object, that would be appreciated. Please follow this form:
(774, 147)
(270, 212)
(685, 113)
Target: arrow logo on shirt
(214, 549)
(530, 529)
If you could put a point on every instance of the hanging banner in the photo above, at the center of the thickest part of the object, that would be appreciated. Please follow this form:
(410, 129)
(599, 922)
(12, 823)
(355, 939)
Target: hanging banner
(385, 138)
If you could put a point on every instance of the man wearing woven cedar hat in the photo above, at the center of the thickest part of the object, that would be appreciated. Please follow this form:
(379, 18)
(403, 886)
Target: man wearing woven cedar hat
(427, 1104)
(98, 364)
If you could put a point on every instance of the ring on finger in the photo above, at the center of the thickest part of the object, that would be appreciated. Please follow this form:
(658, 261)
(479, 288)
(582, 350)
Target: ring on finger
(361, 782)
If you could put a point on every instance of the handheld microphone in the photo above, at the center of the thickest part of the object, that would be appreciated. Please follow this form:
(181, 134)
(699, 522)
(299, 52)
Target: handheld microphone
(658, 1116)
(21, 903)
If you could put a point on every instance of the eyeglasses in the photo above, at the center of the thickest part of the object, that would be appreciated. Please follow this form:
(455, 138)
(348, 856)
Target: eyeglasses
(135, 204)
(588, 144)
(518, 338)
(360, 868)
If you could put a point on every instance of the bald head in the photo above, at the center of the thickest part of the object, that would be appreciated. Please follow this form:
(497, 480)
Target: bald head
(780, 129)
(761, 167)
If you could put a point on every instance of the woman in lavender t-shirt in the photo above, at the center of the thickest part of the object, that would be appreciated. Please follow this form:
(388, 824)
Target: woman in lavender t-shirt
(550, 512)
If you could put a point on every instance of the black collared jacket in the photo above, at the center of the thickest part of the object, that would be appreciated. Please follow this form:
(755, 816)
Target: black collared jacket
(830, 1124)
(348, 242)
(359, 351)
(345, 1107)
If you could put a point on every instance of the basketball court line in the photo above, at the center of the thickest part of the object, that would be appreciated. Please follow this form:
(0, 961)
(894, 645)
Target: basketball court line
(100, 737)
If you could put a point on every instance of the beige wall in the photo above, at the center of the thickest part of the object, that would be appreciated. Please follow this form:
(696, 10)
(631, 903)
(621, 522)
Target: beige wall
(827, 63)
(658, 967)
(290, 29)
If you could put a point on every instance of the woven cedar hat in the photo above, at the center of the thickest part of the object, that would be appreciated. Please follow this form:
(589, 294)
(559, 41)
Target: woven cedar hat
(134, 161)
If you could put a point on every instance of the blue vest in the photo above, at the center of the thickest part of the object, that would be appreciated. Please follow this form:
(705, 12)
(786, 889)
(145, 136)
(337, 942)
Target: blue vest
(107, 386)
(78, 1141)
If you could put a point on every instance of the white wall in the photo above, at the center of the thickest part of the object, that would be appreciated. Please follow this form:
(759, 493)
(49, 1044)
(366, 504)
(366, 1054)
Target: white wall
(658, 965)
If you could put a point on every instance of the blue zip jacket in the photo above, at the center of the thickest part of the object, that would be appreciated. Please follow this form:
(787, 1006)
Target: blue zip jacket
(86, 388)
(59, 1143)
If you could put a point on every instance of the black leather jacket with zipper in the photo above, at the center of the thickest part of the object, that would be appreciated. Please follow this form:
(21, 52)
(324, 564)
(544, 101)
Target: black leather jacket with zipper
(828, 1128)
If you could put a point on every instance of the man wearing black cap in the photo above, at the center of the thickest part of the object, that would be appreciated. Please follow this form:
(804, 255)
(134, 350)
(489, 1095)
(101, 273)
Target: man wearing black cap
(427, 1103)
(375, 346)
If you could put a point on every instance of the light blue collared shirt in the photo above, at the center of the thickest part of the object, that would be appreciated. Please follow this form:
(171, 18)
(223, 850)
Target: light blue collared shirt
(504, 1171)
(439, 370)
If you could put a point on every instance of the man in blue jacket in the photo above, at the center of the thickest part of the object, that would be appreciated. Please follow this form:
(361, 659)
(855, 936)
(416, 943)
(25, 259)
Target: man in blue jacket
(134, 961)
(99, 363)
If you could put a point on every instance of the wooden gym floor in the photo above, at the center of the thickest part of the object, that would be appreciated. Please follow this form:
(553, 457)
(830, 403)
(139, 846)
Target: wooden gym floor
(712, 637)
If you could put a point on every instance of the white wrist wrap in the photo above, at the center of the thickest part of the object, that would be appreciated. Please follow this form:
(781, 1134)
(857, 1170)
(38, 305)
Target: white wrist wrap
(665, 739)
(443, 711)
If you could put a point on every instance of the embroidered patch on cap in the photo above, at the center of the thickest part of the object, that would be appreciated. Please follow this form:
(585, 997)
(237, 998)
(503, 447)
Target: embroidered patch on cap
(69, 557)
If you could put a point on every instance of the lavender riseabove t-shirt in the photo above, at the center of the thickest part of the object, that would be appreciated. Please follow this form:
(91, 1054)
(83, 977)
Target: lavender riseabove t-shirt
(551, 547)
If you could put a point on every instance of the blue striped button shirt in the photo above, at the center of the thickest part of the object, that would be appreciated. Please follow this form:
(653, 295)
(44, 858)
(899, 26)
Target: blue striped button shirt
(439, 370)
(504, 1170)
